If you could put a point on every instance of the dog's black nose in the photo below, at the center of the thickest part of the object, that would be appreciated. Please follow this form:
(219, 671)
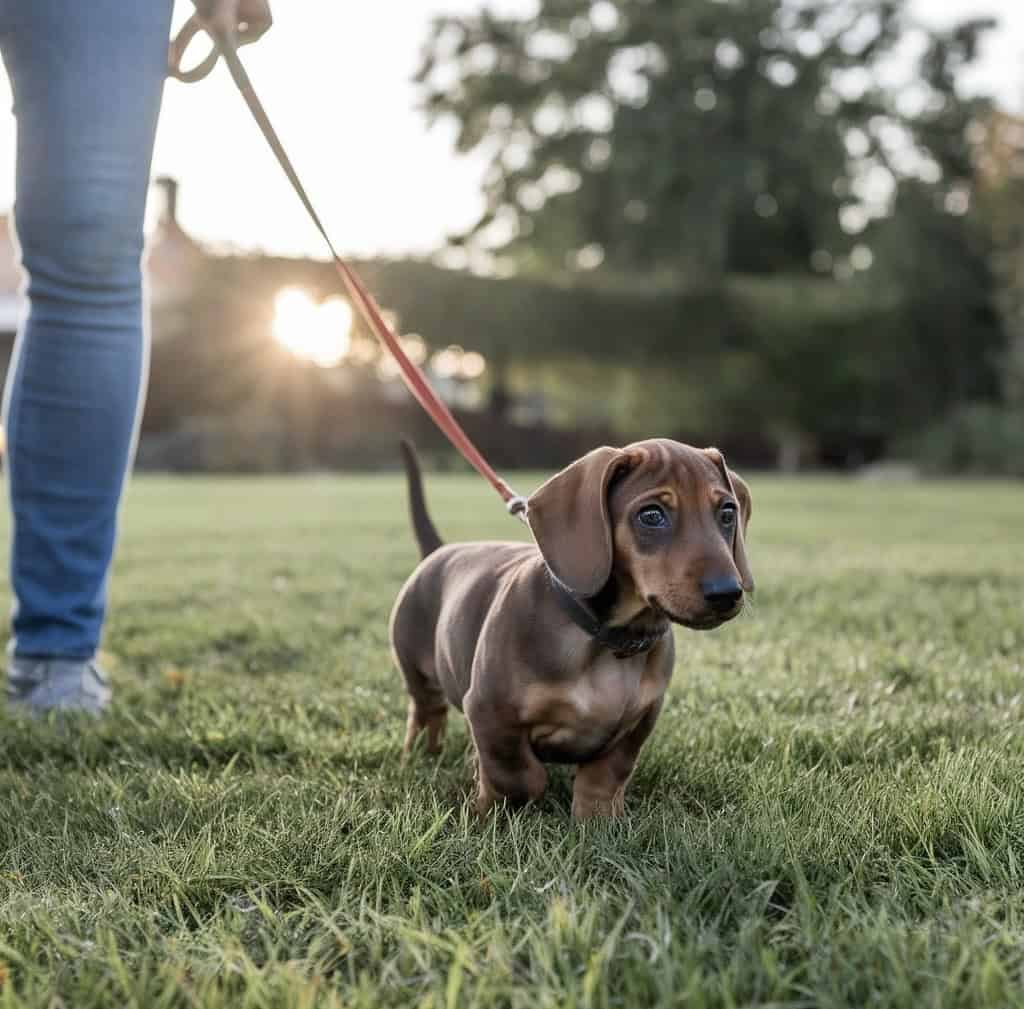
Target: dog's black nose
(721, 594)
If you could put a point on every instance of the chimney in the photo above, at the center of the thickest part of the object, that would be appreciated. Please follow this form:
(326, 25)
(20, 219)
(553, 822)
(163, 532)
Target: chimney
(169, 217)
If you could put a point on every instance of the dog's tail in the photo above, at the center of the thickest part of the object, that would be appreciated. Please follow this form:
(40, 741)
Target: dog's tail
(426, 534)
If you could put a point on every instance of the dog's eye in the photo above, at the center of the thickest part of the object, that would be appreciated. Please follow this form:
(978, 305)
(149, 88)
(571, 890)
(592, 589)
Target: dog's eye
(652, 517)
(727, 515)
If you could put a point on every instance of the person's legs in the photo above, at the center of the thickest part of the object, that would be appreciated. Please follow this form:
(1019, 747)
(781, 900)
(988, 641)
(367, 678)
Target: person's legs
(87, 81)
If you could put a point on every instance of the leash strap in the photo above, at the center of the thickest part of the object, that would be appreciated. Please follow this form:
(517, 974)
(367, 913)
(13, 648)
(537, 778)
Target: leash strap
(412, 374)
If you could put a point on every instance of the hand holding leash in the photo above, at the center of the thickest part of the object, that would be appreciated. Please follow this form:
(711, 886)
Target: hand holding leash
(230, 23)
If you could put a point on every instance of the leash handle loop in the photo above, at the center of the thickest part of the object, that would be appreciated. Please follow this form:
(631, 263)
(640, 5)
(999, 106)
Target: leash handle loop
(412, 374)
(176, 52)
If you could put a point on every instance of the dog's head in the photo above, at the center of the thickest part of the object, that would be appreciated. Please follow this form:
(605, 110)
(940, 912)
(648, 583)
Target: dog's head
(664, 520)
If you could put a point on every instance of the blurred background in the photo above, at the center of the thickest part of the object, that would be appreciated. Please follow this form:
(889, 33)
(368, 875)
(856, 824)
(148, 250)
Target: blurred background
(791, 228)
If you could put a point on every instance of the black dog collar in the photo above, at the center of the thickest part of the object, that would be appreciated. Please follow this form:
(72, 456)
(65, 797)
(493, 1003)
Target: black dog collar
(622, 642)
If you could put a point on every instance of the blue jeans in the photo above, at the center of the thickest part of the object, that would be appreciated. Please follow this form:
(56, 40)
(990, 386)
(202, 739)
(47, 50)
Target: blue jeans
(87, 78)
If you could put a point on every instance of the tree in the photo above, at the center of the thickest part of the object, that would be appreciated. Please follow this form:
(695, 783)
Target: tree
(709, 137)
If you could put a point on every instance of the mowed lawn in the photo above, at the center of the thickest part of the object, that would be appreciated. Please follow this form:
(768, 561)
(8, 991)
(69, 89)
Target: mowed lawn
(830, 812)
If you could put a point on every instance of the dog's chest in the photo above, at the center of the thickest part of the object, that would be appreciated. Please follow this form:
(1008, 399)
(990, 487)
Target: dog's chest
(575, 720)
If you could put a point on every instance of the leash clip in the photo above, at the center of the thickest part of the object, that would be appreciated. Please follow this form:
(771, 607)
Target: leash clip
(516, 506)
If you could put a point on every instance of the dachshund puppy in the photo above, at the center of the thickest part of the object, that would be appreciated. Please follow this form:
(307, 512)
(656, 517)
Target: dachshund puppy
(561, 652)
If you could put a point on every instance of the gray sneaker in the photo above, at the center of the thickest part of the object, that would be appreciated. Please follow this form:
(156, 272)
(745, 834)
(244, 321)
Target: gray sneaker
(41, 685)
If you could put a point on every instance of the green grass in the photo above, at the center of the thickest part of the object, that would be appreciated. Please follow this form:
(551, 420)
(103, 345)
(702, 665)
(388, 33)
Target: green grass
(830, 812)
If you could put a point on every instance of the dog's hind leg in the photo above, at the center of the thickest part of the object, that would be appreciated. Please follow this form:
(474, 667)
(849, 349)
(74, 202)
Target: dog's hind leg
(428, 708)
(433, 721)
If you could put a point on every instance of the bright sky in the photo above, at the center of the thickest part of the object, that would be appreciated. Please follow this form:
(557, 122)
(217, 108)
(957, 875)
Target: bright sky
(335, 76)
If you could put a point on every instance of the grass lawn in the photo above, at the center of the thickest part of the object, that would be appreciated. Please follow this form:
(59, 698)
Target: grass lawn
(830, 811)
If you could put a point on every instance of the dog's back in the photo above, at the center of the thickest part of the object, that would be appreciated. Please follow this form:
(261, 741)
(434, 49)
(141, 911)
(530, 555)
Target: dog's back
(453, 589)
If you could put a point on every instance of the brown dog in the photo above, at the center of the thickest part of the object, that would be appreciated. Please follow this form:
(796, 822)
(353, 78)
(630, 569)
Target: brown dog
(562, 652)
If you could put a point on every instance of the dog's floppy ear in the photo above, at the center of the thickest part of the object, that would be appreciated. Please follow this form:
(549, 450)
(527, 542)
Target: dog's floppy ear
(741, 492)
(570, 521)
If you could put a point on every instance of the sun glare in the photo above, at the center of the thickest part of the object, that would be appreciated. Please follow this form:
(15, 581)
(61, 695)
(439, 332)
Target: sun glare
(318, 332)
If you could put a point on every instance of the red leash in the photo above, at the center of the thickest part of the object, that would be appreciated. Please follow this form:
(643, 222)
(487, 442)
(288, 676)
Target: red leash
(412, 374)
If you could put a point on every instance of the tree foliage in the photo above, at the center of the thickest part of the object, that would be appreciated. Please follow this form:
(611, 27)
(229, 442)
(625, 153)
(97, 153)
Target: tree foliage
(710, 136)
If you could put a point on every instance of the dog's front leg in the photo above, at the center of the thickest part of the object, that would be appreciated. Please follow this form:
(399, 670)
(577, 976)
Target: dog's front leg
(508, 768)
(600, 786)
